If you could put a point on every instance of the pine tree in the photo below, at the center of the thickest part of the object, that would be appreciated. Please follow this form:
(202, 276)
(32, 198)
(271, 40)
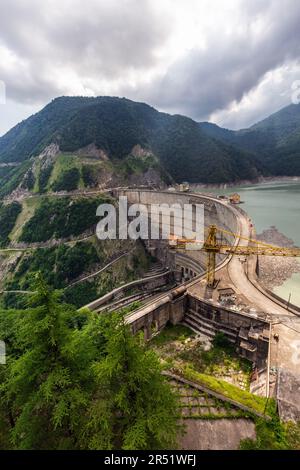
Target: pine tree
(141, 409)
(68, 386)
(46, 387)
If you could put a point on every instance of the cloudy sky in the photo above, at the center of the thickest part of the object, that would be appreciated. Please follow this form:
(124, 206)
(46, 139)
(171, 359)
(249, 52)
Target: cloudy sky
(232, 62)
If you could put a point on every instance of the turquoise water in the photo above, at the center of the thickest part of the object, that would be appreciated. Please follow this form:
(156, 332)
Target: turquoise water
(274, 204)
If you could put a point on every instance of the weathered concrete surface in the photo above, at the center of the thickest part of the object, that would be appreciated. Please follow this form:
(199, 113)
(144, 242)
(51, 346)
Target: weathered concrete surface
(166, 308)
(189, 263)
(150, 282)
(285, 359)
(244, 283)
(249, 334)
(288, 396)
(219, 434)
(224, 216)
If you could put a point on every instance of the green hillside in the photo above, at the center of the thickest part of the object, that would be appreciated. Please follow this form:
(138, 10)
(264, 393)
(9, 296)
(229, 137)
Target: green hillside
(100, 141)
(116, 126)
(56, 237)
(275, 141)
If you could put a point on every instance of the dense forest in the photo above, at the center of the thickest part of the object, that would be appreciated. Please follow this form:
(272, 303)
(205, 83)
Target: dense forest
(275, 141)
(8, 217)
(74, 380)
(61, 218)
(58, 265)
(196, 152)
(116, 126)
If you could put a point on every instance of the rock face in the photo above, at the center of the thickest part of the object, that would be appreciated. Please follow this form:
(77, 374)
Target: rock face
(218, 434)
(273, 271)
(49, 151)
(93, 151)
(273, 236)
(8, 264)
(43, 161)
(139, 151)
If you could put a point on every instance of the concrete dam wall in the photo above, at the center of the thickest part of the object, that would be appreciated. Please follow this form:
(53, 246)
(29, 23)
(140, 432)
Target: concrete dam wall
(187, 264)
(250, 335)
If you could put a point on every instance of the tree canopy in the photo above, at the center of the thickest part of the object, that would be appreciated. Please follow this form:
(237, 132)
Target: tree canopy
(80, 381)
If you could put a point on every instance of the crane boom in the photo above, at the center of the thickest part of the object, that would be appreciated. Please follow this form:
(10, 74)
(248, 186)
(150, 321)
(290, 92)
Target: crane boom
(212, 247)
(259, 250)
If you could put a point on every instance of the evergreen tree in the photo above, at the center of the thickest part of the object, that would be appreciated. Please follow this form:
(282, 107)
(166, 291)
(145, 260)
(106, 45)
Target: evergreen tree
(80, 381)
(141, 409)
(47, 386)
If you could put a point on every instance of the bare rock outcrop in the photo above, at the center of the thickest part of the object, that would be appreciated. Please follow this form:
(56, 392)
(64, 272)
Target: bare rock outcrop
(273, 270)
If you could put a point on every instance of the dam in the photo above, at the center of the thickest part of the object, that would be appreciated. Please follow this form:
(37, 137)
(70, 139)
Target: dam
(257, 322)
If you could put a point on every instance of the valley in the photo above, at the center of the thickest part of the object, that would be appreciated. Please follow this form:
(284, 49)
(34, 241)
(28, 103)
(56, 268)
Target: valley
(220, 358)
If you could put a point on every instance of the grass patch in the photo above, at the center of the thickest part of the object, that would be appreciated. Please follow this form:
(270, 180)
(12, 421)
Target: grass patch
(66, 174)
(243, 397)
(28, 209)
(172, 333)
(220, 361)
(273, 435)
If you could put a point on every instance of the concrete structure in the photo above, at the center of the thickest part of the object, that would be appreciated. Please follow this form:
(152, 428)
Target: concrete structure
(168, 308)
(147, 283)
(260, 316)
(186, 266)
(249, 335)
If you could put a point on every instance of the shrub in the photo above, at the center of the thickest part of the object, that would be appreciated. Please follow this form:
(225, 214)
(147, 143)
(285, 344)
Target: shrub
(68, 180)
(60, 218)
(8, 217)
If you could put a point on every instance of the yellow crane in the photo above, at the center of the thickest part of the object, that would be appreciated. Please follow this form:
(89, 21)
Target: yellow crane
(213, 246)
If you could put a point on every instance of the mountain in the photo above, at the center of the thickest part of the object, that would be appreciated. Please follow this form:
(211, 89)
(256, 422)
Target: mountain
(55, 166)
(217, 132)
(115, 126)
(275, 141)
(108, 140)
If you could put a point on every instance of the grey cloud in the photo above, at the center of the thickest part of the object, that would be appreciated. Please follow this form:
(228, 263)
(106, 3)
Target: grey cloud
(272, 94)
(96, 40)
(111, 41)
(209, 80)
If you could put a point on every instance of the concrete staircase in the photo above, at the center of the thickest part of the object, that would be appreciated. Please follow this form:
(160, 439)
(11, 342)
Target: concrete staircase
(119, 295)
(156, 268)
(209, 328)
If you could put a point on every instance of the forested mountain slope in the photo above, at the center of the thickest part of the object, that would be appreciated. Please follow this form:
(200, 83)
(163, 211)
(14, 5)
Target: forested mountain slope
(115, 126)
(275, 141)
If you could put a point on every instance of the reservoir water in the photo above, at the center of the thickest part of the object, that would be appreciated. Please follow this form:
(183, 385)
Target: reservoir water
(278, 204)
